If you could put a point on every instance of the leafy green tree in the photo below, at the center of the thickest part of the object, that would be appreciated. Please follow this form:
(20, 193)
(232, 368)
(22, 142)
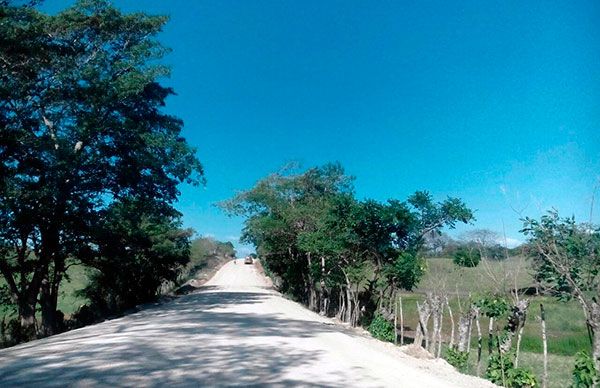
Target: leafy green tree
(330, 249)
(138, 250)
(82, 127)
(566, 257)
(283, 211)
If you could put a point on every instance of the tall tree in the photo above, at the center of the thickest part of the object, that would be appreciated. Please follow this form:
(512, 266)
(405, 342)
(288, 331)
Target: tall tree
(81, 128)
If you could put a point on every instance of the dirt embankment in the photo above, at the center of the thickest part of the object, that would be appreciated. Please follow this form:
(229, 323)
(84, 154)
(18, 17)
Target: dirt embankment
(201, 276)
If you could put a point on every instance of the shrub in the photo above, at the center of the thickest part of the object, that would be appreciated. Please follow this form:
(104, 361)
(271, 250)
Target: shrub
(457, 358)
(584, 373)
(492, 306)
(381, 329)
(467, 257)
(521, 378)
(501, 370)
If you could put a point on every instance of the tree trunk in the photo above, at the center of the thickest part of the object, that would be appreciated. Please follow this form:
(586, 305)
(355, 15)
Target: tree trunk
(348, 316)
(424, 312)
(312, 295)
(49, 299)
(324, 298)
(451, 323)
(464, 330)
(516, 320)
(48, 310)
(341, 305)
(519, 337)
(490, 335)
(26, 311)
(594, 322)
(439, 351)
(545, 345)
(356, 315)
(473, 314)
(401, 323)
(435, 303)
(395, 319)
(479, 343)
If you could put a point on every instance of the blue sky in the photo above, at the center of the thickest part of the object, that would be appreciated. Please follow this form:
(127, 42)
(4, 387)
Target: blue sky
(493, 102)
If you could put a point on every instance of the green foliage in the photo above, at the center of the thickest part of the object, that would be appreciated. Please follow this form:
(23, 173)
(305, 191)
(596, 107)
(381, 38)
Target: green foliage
(521, 378)
(138, 251)
(381, 328)
(566, 254)
(501, 371)
(498, 367)
(467, 257)
(7, 305)
(457, 358)
(493, 306)
(315, 236)
(408, 269)
(82, 129)
(584, 373)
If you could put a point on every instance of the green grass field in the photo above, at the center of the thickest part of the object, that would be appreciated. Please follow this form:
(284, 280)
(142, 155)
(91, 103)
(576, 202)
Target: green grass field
(565, 322)
(68, 300)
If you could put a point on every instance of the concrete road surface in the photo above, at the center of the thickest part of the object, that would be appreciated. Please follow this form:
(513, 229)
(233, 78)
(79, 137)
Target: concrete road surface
(235, 332)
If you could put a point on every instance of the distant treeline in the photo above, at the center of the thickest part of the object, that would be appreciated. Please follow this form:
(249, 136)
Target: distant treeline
(486, 243)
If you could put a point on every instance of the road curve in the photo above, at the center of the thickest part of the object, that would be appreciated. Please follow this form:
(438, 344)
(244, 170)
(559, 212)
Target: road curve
(235, 332)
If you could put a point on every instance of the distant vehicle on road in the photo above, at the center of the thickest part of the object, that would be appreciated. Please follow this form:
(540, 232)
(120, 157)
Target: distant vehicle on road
(248, 260)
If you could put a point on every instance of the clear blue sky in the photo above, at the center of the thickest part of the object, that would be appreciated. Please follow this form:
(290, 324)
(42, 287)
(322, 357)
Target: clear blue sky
(495, 102)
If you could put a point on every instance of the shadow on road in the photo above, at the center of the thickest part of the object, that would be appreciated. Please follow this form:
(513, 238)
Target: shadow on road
(199, 339)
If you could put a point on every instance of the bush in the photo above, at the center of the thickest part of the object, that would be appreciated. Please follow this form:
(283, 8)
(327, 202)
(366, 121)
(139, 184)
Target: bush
(465, 257)
(381, 329)
(492, 306)
(521, 378)
(501, 370)
(584, 373)
(457, 358)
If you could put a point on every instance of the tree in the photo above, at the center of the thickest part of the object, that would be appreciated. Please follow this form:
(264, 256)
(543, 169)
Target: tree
(284, 210)
(465, 257)
(567, 260)
(330, 250)
(138, 250)
(487, 243)
(82, 128)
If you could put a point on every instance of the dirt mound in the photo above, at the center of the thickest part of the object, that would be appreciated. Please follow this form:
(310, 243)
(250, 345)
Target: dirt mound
(417, 352)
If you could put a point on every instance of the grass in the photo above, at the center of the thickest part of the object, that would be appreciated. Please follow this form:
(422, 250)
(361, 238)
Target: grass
(565, 322)
(76, 280)
(68, 300)
(559, 367)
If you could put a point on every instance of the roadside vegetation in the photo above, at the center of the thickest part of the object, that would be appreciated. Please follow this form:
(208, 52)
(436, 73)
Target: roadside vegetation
(521, 317)
(89, 168)
(89, 171)
(77, 308)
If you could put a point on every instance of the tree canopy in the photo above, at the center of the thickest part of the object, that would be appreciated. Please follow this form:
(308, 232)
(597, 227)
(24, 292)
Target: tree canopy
(83, 132)
(332, 251)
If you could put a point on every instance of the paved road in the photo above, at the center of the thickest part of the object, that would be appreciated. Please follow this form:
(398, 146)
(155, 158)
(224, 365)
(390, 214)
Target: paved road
(235, 332)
